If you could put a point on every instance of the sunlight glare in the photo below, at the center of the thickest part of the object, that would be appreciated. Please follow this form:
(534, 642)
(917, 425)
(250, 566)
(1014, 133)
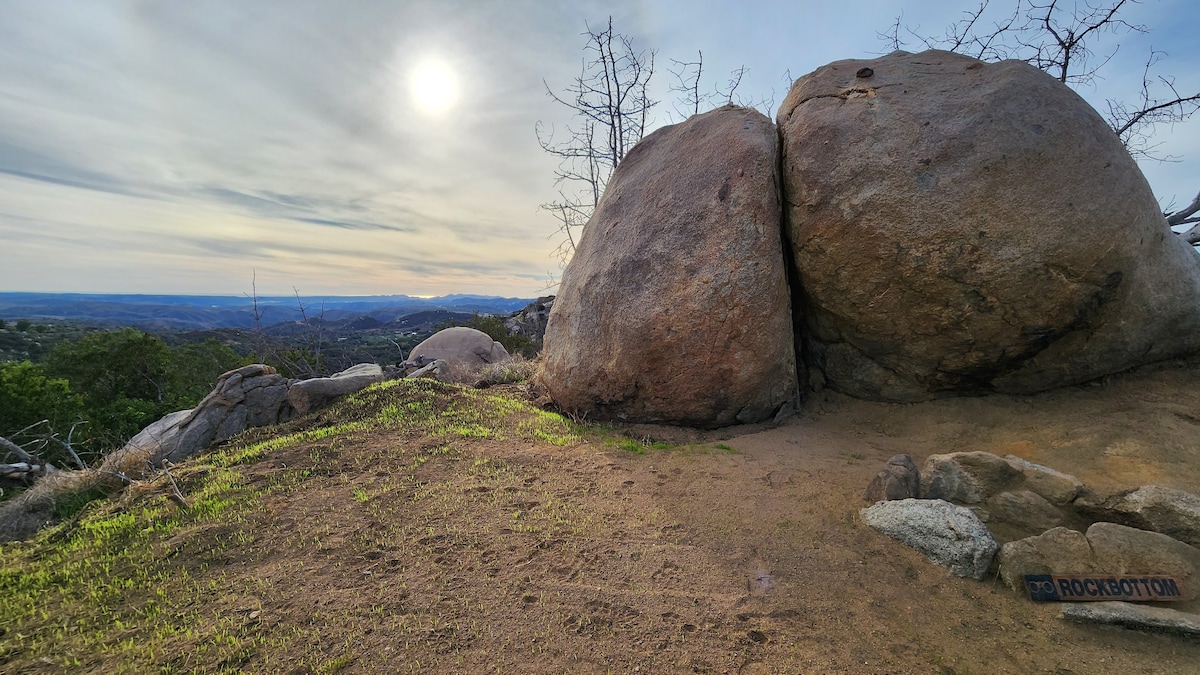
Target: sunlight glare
(434, 86)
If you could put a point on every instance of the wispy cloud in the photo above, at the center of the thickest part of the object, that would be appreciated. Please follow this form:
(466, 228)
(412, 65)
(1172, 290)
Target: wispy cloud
(151, 145)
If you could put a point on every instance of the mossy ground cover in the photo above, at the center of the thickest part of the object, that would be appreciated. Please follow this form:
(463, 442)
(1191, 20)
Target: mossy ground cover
(136, 584)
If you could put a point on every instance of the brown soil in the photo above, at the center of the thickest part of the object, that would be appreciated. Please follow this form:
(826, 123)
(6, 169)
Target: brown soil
(531, 558)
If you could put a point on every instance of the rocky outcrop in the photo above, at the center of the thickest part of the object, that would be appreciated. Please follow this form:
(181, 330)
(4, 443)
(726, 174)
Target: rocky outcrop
(899, 479)
(308, 395)
(949, 535)
(675, 307)
(960, 227)
(250, 396)
(1106, 548)
(459, 344)
(531, 320)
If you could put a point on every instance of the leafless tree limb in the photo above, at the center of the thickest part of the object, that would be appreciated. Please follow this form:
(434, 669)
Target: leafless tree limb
(611, 104)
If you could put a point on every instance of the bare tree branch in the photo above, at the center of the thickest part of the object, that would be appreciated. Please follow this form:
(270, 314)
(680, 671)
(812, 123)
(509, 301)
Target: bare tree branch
(610, 102)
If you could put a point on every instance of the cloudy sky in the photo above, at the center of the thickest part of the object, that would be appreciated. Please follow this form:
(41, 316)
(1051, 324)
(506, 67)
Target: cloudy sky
(162, 146)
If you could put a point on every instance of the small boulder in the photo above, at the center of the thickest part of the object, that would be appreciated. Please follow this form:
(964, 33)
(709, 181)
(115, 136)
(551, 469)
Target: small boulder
(1055, 486)
(951, 536)
(966, 477)
(899, 479)
(308, 395)
(460, 344)
(437, 370)
(1172, 512)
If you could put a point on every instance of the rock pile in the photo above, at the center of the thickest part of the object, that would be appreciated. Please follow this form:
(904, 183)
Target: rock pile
(1148, 531)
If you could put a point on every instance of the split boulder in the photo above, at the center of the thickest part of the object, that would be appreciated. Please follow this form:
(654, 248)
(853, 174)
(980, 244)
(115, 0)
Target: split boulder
(675, 308)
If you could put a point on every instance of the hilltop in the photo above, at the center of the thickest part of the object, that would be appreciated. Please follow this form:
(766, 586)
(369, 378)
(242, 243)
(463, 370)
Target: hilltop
(426, 527)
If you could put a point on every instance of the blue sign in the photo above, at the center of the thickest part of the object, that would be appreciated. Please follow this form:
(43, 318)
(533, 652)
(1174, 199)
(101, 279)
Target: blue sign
(1090, 588)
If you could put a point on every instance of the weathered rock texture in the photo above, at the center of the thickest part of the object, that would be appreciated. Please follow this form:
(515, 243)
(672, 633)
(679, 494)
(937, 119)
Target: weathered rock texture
(961, 228)
(975, 477)
(251, 396)
(460, 344)
(1137, 617)
(1106, 548)
(675, 307)
(951, 536)
(899, 479)
(1153, 507)
(308, 395)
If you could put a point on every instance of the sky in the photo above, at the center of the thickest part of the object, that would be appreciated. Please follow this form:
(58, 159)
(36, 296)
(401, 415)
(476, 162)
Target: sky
(383, 147)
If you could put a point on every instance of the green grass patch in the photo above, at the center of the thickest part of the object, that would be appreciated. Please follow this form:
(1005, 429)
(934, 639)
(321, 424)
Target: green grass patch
(137, 584)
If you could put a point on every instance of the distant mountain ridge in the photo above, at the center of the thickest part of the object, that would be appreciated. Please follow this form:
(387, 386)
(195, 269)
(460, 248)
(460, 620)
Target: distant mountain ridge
(199, 312)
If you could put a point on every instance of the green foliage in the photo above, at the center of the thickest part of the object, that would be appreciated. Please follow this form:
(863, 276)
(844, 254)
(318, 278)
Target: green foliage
(126, 379)
(29, 395)
(23, 324)
(3, 324)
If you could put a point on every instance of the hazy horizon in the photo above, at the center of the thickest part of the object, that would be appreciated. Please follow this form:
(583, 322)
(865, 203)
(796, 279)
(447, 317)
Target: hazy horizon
(379, 148)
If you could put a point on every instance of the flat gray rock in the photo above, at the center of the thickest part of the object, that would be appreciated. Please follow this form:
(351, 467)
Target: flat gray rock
(951, 536)
(1137, 617)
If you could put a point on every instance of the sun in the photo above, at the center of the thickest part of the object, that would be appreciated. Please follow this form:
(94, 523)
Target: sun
(434, 86)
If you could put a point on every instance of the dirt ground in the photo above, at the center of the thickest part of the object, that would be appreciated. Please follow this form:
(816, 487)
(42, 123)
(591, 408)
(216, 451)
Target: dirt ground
(741, 552)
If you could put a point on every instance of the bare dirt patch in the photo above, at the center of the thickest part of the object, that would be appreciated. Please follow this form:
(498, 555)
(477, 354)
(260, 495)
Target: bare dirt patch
(402, 551)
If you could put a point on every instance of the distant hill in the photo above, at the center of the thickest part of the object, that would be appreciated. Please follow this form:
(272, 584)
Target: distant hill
(206, 312)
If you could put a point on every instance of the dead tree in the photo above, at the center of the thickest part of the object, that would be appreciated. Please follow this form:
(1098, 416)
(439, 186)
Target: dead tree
(691, 98)
(610, 103)
(1065, 41)
(1186, 216)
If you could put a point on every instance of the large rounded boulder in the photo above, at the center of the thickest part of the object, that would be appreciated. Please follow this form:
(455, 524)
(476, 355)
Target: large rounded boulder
(675, 307)
(961, 227)
(459, 344)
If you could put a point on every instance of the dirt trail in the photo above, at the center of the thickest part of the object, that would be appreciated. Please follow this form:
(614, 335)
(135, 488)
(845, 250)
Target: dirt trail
(747, 558)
